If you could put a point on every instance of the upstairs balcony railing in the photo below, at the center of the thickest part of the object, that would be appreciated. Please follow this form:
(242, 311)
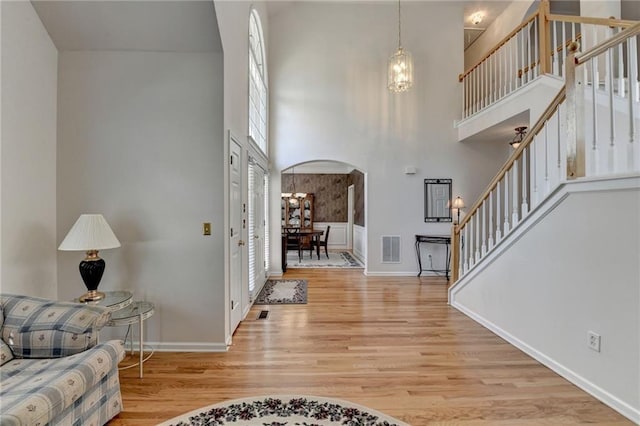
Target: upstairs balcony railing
(590, 129)
(537, 46)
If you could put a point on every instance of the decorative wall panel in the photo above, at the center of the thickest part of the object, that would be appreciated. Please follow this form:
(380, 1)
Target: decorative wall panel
(329, 190)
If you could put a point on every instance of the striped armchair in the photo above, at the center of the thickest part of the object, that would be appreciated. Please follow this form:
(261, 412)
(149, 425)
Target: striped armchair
(52, 369)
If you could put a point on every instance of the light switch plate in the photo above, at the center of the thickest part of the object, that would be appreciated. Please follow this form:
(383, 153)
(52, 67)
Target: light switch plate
(206, 228)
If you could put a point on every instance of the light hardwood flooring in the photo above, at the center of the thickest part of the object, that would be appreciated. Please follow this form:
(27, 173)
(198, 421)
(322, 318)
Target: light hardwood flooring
(392, 344)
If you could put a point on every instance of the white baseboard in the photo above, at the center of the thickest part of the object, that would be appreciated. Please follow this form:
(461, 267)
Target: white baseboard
(185, 346)
(390, 273)
(612, 401)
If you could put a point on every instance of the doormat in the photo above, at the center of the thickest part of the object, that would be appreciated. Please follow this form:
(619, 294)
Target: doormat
(280, 292)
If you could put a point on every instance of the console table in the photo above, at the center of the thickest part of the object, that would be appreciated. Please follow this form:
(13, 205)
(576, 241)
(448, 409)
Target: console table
(434, 239)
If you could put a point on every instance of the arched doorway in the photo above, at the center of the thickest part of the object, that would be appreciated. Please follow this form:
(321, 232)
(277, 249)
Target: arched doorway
(328, 197)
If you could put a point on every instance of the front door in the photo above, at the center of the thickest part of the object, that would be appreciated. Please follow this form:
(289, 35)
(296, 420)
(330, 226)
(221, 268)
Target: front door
(236, 243)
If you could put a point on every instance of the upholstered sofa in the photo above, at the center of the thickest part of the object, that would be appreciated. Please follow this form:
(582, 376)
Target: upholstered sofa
(52, 369)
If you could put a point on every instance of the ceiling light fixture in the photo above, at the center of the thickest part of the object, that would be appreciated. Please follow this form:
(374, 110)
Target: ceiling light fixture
(476, 18)
(400, 66)
(521, 132)
(294, 197)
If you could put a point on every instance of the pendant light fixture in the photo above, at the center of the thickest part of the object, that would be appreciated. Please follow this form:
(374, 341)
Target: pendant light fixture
(400, 67)
(521, 132)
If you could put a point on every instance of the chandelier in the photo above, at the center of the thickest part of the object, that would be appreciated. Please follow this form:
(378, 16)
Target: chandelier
(400, 67)
(294, 197)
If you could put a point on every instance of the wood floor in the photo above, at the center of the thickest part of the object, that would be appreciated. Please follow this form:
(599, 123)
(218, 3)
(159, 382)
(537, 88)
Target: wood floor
(392, 344)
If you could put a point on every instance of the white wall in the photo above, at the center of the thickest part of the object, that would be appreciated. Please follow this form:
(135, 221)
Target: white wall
(512, 16)
(329, 101)
(575, 271)
(233, 22)
(600, 8)
(140, 140)
(28, 162)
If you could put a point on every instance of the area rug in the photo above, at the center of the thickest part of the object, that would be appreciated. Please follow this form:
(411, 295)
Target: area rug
(280, 410)
(337, 259)
(276, 292)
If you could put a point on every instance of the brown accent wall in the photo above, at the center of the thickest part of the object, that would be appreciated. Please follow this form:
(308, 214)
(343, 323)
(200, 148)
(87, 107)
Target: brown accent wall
(356, 178)
(329, 191)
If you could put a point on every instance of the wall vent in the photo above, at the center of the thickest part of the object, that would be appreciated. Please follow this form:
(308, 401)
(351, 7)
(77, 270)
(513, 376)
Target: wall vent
(390, 249)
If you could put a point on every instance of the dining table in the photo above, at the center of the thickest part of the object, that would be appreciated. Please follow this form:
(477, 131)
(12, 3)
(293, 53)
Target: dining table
(299, 233)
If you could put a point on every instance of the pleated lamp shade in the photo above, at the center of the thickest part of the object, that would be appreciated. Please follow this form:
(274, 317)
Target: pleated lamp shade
(90, 232)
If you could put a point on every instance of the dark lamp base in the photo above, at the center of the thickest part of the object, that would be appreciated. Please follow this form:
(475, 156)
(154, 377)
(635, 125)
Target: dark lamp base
(91, 270)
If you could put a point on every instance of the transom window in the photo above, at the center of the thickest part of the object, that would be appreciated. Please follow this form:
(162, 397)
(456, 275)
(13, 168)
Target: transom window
(257, 83)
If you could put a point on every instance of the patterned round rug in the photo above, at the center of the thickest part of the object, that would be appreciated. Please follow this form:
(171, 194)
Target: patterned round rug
(281, 410)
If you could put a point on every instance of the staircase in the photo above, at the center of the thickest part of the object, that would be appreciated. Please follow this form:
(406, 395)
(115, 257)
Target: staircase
(549, 253)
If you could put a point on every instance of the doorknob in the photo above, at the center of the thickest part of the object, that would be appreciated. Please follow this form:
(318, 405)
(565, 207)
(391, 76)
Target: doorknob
(256, 236)
(241, 243)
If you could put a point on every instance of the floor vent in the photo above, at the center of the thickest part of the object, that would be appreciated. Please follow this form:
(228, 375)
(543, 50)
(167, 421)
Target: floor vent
(263, 315)
(390, 249)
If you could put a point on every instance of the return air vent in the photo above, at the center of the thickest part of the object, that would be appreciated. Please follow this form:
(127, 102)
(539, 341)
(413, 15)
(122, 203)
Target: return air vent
(390, 249)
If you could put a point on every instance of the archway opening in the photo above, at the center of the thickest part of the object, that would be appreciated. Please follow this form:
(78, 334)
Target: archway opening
(323, 215)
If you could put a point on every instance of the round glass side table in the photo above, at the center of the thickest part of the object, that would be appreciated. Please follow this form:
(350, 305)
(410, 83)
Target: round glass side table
(136, 312)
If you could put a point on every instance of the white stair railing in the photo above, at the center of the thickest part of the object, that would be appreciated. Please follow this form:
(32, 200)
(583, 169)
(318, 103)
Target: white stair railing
(561, 146)
(537, 46)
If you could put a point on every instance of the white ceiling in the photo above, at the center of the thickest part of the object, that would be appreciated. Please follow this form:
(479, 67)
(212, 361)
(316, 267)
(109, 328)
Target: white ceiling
(167, 26)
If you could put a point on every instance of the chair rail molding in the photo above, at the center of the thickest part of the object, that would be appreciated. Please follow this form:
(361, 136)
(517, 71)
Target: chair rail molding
(337, 236)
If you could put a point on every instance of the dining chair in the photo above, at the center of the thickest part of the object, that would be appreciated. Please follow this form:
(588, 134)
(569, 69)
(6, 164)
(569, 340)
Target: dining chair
(324, 242)
(294, 243)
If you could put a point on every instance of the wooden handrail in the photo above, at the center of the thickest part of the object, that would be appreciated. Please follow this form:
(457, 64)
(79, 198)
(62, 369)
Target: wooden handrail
(622, 23)
(610, 22)
(566, 44)
(558, 49)
(608, 44)
(551, 109)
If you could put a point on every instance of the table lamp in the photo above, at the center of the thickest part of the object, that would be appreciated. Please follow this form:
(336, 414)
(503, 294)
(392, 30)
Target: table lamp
(90, 233)
(458, 204)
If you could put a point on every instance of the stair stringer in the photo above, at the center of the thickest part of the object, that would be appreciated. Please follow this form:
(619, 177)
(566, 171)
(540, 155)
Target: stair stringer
(569, 268)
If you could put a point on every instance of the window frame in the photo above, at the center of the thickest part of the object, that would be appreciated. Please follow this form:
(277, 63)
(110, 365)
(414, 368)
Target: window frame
(258, 96)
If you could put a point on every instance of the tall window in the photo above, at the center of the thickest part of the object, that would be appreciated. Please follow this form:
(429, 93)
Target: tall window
(257, 83)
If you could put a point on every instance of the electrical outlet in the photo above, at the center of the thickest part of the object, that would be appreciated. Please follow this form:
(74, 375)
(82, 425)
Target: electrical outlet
(593, 341)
